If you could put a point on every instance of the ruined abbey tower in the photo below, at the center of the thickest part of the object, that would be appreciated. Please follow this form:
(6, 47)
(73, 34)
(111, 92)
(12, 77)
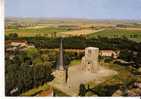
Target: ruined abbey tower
(90, 60)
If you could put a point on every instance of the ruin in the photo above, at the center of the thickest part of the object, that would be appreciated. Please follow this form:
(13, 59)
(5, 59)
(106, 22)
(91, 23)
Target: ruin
(90, 61)
(69, 79)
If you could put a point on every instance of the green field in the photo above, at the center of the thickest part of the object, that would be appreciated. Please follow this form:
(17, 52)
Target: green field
(75, 62)
(115, 33)
(35, 32)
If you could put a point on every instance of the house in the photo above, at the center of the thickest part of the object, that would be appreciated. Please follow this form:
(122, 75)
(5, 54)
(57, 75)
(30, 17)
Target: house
(12, 45)
(16, 43)
(21, 43)
(109, 53)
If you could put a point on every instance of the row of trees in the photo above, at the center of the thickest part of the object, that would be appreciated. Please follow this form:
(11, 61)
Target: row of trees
(26, 70)
(80, 42)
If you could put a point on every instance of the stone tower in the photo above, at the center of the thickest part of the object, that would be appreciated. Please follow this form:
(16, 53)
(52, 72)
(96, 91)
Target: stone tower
(61, 72)
(90, 60)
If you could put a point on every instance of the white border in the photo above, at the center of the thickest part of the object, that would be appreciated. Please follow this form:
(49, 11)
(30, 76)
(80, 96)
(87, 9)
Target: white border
(2, 65)
(73, 97)
(2, 79)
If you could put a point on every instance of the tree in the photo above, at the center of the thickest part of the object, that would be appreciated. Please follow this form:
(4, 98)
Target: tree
(24, 76)
(82, 90)
(125, 55)
(13, 36)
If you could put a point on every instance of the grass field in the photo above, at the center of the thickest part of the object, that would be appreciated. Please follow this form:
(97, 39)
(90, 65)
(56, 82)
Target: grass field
(34, 32)
(114, 33)
(75, 62)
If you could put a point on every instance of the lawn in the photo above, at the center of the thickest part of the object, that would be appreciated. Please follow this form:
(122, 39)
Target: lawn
(115, 33)
(74, 62)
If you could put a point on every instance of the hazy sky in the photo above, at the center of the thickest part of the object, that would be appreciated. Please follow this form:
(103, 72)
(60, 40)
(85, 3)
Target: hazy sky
(95, 9)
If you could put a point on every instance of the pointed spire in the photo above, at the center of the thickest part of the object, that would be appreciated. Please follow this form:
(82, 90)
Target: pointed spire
(61, 56)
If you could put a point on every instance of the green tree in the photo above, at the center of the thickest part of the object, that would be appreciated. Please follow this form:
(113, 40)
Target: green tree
(82, 90)
(13, 35)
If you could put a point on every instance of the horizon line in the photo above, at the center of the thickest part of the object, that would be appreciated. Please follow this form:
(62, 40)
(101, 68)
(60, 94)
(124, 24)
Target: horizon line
(37, 17)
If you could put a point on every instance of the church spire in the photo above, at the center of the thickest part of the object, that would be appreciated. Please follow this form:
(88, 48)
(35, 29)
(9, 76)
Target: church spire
(61, 56)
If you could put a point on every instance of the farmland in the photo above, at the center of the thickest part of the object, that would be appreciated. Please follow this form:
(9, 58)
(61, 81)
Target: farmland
(49, 31)
(97, 31)
(73, 27)
(34, 32)
(117, 33)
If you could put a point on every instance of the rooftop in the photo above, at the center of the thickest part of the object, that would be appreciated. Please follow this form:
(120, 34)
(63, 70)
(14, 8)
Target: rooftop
(93, 48)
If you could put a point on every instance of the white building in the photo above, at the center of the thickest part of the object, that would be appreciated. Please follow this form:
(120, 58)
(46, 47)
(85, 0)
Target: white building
(109, 53)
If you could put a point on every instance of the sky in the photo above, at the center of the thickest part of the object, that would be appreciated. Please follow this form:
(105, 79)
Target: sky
(90, 9)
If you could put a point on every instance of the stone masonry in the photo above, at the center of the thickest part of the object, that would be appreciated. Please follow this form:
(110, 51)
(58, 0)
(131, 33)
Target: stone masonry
(90, 61)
